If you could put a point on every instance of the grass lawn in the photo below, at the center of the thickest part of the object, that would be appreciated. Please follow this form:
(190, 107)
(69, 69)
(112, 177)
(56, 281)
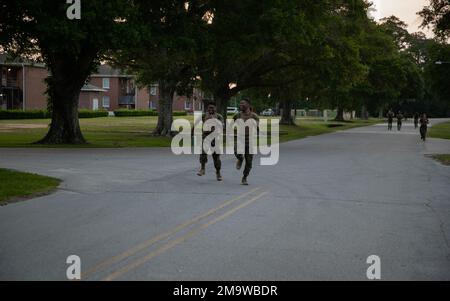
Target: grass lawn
(440, 131)
(111, 132)
(16, 185)
(444, 159)
(313, 127)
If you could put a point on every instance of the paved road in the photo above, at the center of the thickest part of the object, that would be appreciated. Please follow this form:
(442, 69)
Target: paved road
(143, 214)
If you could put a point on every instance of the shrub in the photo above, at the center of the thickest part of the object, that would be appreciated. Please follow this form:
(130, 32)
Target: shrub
(19, 114)
(92, 114)
(138, 113)
(134, 113)
(43, 114)
(179, 113)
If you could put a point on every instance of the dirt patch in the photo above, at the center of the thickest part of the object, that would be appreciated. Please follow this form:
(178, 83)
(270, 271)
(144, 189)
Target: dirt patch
(20, 126)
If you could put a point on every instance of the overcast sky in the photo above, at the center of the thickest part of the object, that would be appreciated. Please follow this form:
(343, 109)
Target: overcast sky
(406, 10)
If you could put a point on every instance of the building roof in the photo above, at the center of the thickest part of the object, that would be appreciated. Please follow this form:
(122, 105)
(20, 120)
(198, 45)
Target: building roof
(92, 88)
(102, 71)
(8, 60)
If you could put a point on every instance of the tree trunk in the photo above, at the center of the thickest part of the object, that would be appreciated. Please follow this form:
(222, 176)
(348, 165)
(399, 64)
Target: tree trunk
(165, 110)
(364, 113)
(63, 101)
(340, 114)
(286, 117)
(221, 100)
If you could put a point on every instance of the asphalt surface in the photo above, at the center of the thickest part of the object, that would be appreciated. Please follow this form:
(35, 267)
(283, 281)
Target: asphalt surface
(143, 214)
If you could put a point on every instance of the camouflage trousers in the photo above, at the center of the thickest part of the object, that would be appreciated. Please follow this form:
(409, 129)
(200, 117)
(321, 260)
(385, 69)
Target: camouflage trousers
(247, 157)
(216, 159)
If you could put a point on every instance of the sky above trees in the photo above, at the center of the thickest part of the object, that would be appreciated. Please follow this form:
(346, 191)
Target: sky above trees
(406, 10)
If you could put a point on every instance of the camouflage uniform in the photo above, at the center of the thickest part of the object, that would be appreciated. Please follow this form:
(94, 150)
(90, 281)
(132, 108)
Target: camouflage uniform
(399, 121)
(204, 156)
(247, 156)
(390, 120)
(423, 128)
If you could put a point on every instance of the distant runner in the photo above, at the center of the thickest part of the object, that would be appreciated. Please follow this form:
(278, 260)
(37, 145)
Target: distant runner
(399, 120)
(211, 113)
(245, 114)
(416, 120)
(423, 127)
(390, 116)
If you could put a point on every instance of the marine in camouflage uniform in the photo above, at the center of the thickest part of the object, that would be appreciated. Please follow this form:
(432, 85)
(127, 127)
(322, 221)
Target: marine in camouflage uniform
(399, 121)
(423, 127)
(211, 113)
(245, 115)
(390, 117)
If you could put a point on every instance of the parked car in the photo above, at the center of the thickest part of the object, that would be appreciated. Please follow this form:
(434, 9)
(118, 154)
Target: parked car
(232, 110)
(268, 112)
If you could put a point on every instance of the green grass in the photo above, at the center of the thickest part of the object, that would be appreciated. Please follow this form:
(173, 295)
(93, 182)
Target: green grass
(314, 127)
(111, 132)
(16, 185)
(444, 159)
(441, 130)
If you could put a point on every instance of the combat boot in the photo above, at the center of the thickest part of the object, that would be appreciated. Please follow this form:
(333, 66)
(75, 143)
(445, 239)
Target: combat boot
(239, 164)
(201, 172)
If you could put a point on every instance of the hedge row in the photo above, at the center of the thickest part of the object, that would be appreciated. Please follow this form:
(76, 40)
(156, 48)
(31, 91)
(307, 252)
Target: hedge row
(17, 114)
(134, 113)
(92, 114)
(42, 114)
(137, 113)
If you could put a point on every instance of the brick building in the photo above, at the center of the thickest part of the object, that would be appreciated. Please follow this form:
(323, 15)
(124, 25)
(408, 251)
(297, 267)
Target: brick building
(22, 85)
(23, 88)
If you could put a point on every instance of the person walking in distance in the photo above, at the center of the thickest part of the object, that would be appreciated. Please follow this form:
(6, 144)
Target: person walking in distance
(245, 114)
(399, 120)
(416, 120)
(211, 113)
(423, 127)
(390, 117)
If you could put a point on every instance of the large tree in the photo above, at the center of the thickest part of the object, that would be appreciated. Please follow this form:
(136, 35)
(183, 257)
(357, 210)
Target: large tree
(71, 49)
(167, 52)
(248, 40)
(437, 16)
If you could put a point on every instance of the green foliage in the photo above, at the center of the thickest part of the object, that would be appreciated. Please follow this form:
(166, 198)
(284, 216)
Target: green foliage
(71, 49)
(19, 114)
(437, 16)
(179, 113)
(92, 114)
(134, 113)
(138, 113)
(42, 114)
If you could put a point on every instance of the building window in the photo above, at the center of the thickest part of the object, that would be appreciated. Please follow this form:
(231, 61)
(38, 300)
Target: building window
(152, 105)
(106, 83)
(188, 105)
(106, 101)
(153, 90)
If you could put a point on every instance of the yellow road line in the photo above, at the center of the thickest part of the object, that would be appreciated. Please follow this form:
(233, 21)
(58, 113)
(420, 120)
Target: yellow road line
(179, 240)
(164, 235)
